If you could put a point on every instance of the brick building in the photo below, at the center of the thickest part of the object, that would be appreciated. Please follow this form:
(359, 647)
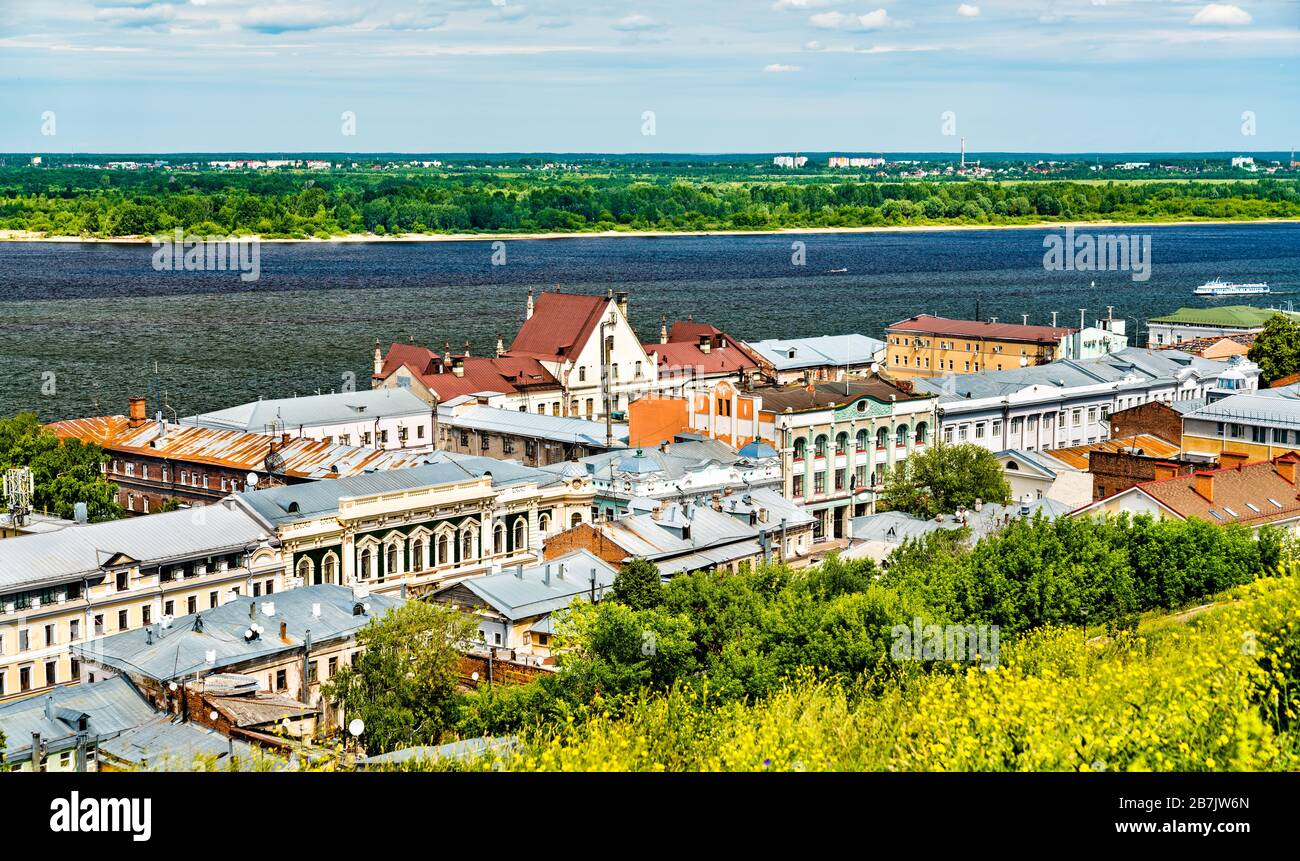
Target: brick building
(1155, 417)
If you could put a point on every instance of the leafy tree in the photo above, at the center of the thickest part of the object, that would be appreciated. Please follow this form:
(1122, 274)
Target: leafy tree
(944, 478)
(1277, 349)
(404, 683)
(638, 585)
(64, 471)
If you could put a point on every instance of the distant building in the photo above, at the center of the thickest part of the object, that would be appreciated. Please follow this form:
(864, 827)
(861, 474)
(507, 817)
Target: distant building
(61, 730)
(153, 462)
(790, 160)
(514, 607)
(468, 425)
(370, 418)
(684, 537)
(410, 530)
(289, 643)
(826, 357)
(1187, 324)
(1069, 403)
(1252, 494)
(928, 346)
(842, 161)
(1035, 475)
(64, 588)
(1257, 424)
(1216, 346)
(1243, 161)
(876, 536)
(681, 468)
(691, 351)
(1122, 462)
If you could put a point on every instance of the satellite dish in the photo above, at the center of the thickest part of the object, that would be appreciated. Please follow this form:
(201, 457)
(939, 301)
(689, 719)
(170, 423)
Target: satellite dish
(356, 727)
(252, 479)
(213, 715)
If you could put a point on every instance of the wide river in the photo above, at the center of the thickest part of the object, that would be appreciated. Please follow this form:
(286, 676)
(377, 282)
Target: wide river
(83, 325)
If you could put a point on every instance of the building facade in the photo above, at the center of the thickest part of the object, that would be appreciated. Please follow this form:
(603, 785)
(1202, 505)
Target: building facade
(478, 426)
(1187, 324)
(928, 346)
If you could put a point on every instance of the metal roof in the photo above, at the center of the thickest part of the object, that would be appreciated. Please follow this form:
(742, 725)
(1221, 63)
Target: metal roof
(111, 706)
(1133, 366)
(465, 749)
(312, 410)
(300, 457)
(187, 647)
(1269, 406)
(31, 560)
(557, 428)
(927, 324)
(166, 744)
(279, 505)
(521, 594)
(824, 350)
(1225, 316)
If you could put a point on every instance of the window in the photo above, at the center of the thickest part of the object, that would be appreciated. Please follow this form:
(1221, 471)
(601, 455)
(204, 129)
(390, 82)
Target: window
(996, 429)
(281, 680)
(123, 620)
(582, 374)
(839, 479)
(819, 446)
(192, 604)
(797, 486)
(1257, 433)
(1092, 415)
(305, 570)
(862, 439)
(819, 483)
(947, 436)
(74, 630)
(212, 600)
(312, 670)
(484, 441)
(122, 579)
(24, 640)
(1076, 417)
(51, 673)
(979, 430)
(169, 609)
(521, 534)
(841, 443)
(146, 615)
(365, 563)
(25, 678)
(800, 448)
(1279, 435)
(882, 438)
(49, 635)
(391, 564)
(333, 666)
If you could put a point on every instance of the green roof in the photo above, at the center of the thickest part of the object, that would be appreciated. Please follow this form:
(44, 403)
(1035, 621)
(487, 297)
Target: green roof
(1241, 316)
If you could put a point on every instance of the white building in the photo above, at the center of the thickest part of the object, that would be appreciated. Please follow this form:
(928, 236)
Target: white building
(826, 357)
(385, 418)
(1068, 403)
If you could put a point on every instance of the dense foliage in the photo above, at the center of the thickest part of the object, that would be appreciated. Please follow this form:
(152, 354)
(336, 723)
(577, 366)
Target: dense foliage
(402, 685)
(1277, 349)
(944, 478)
(743, 637)
(638, 585)
(64, 472)
(73, 202)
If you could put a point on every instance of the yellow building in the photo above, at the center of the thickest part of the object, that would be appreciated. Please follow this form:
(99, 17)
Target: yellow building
(927, 346)
(1259, 425)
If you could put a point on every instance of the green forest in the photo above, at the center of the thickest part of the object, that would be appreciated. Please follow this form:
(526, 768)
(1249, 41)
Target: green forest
(283, 204)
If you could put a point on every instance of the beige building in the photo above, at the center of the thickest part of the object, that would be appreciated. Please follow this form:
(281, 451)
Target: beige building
(927, 346)
(63, 588)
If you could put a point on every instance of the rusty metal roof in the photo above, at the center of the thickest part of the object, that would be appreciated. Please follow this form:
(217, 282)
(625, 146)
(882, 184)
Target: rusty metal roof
(1147, 444)
(303, 458)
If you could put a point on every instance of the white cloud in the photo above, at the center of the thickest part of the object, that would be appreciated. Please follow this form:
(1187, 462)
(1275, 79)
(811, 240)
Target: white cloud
(780, 67)
(846, 21)
(966, 10)
(152, 15)
(804, 4)
(1222, 13)
(637, 24)
(297, 18)
(814, 45)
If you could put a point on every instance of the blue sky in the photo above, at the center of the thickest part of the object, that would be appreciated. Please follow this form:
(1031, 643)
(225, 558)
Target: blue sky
(718, 75)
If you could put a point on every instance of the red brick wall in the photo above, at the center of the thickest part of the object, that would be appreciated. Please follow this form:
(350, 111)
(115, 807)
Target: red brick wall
(584, 537)
(503, 671)
(1113, 471)
(1153, 418)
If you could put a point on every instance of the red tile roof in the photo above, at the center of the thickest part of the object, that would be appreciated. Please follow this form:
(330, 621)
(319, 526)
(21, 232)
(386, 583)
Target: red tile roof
(505, 374)
(1234, 490)
(560, 326)
(931, 325)
(683, 350)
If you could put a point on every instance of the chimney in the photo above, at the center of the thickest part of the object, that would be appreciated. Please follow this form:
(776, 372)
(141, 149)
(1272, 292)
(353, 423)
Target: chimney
(379, 359)
(546, 575)
(1286, 467)
(1165, 470)
(446, 354)
(663, 329)
(467, 348)
(501, 346)
(1232, 459)
(1204, 485)
(658, 512)
(252, 609)
(621, 298)
(706, 343)
(136, 414)
(528, 312)
(458, 367)
(284, 632)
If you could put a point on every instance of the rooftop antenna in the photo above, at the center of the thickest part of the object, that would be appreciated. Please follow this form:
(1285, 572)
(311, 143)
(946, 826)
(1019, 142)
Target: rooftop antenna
(19, 489)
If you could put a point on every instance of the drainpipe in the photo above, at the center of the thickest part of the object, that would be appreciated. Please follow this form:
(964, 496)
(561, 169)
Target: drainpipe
(306, 659)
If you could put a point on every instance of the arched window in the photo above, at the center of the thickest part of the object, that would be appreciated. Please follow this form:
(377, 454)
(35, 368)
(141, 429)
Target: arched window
(863, 439)
(900, 435)
(442, 550)
(366, 563)
(391, 564)
(841, 442)
(466, 545)
(576, 520)
(521, 534)
(921, 433)
(819, 447)
(543, 523)
(417, 555)
(498, 538)
(329, 569)
(882, 438)
(800, 448)
(304, 571)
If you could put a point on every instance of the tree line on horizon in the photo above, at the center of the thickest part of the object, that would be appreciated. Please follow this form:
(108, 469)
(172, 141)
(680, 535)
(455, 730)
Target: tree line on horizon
(81, 202)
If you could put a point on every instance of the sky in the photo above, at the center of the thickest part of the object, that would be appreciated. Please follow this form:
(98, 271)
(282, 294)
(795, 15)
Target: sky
(861, 76)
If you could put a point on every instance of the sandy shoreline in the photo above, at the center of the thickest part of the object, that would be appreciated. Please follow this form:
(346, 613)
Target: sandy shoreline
(27, 236)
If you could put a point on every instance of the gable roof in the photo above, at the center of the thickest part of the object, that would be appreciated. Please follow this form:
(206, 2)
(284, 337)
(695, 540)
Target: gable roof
(687, 354)
(520, 593)
(821, 351)
(1250, 493)
(507, 375)
(560, 326)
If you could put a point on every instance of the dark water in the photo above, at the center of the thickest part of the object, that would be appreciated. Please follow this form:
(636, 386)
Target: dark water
(99, 317)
